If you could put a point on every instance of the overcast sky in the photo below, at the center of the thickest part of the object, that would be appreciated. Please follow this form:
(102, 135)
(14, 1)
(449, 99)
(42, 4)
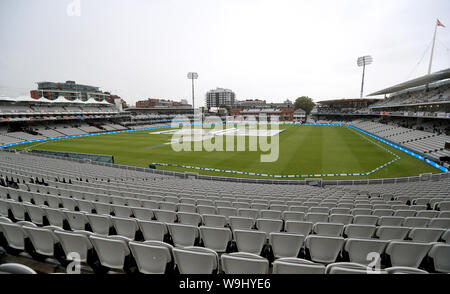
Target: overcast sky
(270, 50)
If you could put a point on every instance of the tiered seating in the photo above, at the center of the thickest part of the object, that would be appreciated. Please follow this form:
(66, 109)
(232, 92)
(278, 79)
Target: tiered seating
(193, 226)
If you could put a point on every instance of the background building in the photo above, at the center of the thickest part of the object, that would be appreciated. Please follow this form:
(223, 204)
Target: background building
(220, 96)
(161, 103)
(69, 90)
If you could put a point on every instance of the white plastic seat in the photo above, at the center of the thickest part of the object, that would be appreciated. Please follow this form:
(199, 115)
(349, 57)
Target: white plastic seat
(16, 268)
(43, 240)
(169, 206)
(442, 214)
(216, 239)
(297, 266)
(205, 209)
(383, 212)
(249, 241)
(53, 201)
(278, 207)
(205, 202)
(339, 210)
(298, 208)
(36, 213)
(76, 220)
(222, 203)
(358, 249)
(270, 214)
(85, 206)
(366, 220)
(286, 244)
(315, 209)
(446, 236)
(165, 216)
(427, 235)
(152, 257)
(68, 203)
(241, 223)
(293, 216)
(244, 263)
(344, 219)
(171, 199)
(141, 213)
(395, 221)
(361, 211)
(227, 211)
(443, 223)
(100, 224)
(392, 233)
(14, 235)
(74, 242)
(150, 204)
(443, 205)
(328, 229)
(324, 249)
(185, 200)
(359, 231)
(416, 222)
(184, 207)
(211, 220)
(126, 227)
(269, 226)
(403, 253)
(316, 217)
(239, 204)
(122, 211)
(188, 218)
(103, 208)
(259, 206)
(302, 228)
(440, 255)
(248, 213)
(17, 210)
(427, 213)
(196, 260)
(55, 217)
(111, 251)
(134, 202)
(153, 230)
(183, 235)
(349, 268)
(405, 213)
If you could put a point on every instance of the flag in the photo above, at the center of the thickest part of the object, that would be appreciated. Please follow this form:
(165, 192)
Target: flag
(440, 23)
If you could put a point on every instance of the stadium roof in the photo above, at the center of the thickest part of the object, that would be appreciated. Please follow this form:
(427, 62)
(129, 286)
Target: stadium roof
(423, 80)
(350, 100)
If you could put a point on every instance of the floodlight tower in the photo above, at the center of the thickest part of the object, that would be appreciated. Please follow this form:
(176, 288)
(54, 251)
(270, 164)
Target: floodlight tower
(193, 76)
(363, 61)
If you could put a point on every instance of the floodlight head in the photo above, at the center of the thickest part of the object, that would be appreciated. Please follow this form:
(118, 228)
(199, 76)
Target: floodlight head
(364, 60)
(192, 75)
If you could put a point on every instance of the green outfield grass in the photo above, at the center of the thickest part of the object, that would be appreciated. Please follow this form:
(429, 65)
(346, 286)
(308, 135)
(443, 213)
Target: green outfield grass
(303, 150)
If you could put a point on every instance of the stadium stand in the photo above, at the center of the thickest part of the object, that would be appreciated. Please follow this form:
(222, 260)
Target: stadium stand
(115, 218)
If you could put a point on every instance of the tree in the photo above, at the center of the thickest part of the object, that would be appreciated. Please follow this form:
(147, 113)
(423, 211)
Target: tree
(305, 103)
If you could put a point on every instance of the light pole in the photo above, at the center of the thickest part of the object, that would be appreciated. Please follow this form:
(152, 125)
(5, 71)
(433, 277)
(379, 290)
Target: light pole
(363, 61)
(193, 76)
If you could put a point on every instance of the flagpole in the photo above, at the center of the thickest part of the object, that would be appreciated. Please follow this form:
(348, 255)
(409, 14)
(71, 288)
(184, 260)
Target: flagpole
(432, 48)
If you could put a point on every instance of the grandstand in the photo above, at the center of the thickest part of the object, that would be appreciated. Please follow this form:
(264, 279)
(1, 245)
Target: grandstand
(116, 218)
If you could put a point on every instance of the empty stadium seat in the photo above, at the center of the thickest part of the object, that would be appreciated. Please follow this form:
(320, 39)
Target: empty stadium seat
(297, 266)
(324, 249)
(244, 263)
(152, 257)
